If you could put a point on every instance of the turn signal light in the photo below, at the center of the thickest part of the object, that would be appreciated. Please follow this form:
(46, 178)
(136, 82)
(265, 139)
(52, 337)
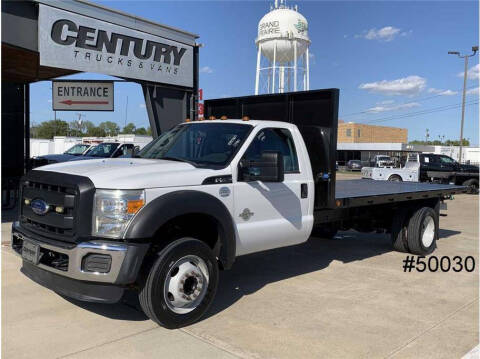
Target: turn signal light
(59, 209)
(134, 206)
(27, 201)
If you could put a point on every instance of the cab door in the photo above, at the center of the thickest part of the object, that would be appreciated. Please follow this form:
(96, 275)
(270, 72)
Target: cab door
(273, 214)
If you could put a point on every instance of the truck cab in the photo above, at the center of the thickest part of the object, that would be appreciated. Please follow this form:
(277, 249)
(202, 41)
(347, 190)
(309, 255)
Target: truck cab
(107, 150)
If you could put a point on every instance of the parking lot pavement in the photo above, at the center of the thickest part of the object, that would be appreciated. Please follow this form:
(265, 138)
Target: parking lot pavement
(346, 297)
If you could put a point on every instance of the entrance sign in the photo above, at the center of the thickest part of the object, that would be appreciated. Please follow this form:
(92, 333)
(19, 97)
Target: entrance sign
(82, 95)
(71, 41)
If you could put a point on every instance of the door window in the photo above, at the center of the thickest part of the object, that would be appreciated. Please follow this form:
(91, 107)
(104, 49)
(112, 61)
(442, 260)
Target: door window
(446, 160)
(278, 140)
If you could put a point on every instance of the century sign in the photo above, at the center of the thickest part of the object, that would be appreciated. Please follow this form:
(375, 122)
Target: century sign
(72, 41)
(82, 95)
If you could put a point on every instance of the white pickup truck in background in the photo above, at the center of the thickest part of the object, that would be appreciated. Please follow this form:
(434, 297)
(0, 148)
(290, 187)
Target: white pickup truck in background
(409, 173)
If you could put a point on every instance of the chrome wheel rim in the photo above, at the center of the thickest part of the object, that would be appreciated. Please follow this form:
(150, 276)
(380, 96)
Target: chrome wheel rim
(186, 284)
(428, 231)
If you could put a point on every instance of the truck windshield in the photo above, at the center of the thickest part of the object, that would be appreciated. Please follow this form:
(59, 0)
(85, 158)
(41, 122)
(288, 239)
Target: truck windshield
(201, 144)
(76, 150)
(102, 150)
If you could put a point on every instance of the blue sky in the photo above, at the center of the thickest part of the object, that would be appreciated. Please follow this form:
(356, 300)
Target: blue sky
(389, 59)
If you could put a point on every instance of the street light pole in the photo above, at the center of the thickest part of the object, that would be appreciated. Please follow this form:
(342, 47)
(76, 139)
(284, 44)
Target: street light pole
(465, 57)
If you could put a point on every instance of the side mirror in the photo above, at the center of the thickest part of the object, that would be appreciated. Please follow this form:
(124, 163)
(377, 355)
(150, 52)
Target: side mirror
(269, 168)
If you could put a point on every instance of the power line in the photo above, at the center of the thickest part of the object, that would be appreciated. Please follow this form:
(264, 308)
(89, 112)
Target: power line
(421, 113)
(421, 99)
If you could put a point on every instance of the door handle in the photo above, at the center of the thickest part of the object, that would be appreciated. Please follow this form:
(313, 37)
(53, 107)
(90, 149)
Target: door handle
(303, 190)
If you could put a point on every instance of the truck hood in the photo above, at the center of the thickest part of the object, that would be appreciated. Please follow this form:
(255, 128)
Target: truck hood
(62, 157)
(134, 173)
(468, 168)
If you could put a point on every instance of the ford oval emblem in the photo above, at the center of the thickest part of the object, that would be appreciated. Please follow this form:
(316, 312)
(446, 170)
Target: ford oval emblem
(224, 191)
(39, 206)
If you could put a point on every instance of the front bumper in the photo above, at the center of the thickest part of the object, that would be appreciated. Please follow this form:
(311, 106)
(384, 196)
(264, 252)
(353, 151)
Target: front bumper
(123, 262)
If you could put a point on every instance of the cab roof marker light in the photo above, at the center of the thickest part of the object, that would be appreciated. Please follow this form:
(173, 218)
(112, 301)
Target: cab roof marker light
(245, 118)
(211, 118)
(224, 117)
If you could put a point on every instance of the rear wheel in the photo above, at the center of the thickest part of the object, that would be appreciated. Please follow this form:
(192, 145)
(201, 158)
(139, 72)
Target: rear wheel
(181, 284)
(472, 185)
(399, 231)
(422, 231)
(395, 178)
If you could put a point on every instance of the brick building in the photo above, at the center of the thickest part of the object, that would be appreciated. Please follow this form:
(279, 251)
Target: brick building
(350, 132)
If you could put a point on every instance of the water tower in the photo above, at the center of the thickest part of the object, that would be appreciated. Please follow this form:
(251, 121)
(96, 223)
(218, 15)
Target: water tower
(282, 58)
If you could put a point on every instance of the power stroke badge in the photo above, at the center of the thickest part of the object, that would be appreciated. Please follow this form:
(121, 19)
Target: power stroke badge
(79, 42)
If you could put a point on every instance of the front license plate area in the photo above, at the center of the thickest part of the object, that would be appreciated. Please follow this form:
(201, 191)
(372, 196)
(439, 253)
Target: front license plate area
(31, 252)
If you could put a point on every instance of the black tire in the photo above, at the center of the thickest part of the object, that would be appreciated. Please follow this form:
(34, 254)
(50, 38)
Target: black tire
(151, 296)
(416, 228)
(395, 178)
(325, 231)
(399, 231)
(472, 185)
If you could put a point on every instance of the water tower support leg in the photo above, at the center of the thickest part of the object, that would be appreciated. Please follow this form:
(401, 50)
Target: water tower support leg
(257, 76)
(274, 65)
(308, 68)
(294, 66)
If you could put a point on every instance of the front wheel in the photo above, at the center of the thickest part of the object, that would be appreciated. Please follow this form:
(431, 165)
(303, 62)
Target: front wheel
(181, 284)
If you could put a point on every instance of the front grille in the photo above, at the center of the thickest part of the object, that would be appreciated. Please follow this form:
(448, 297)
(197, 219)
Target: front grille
(74, 194)
(56, 196)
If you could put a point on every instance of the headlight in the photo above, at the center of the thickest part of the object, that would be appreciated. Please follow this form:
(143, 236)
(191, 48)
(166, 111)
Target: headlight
(114, 209)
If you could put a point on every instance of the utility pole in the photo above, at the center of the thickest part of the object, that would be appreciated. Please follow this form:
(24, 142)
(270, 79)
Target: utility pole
(427, 135)
(126, 113)
(465, 57)
(79, 121)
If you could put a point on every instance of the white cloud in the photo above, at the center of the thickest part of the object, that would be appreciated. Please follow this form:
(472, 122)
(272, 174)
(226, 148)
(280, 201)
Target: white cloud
(403, 106)
(442, 92)
(410, 85)
(387, 33)
(142, 105)
(49, 101)
(386, 102)
(473, 91)
(206, 70)
(473, 73)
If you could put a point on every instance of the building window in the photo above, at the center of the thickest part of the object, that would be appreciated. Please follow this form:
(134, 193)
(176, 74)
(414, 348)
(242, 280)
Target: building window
(349, 132)
(358, 133)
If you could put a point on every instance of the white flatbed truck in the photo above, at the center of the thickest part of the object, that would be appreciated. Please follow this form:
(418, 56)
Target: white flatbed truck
(200, 195)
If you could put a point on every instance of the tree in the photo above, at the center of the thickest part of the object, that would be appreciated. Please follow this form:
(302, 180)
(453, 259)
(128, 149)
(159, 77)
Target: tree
(49, 129)
(77, 128)
(465, 142)
(129, 129)
(92, 130)
(141, 131)
(110, 128)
